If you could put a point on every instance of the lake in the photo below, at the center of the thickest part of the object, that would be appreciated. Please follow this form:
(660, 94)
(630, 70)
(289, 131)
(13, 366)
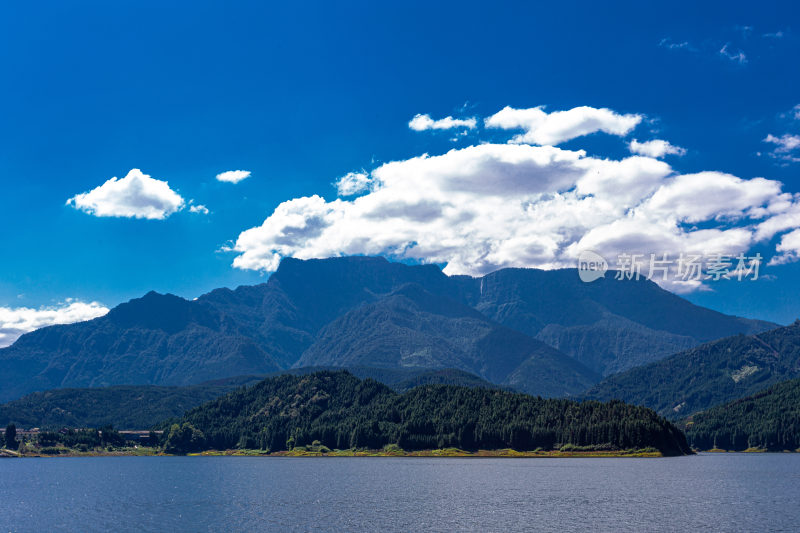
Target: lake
(708, 492)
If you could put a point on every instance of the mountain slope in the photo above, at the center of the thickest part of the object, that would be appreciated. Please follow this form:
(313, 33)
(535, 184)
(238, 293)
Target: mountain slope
(769, 420)
(342, 411)
(414, 328)
(608, 325)
(156, 339)
(708, 375)
(285, 314)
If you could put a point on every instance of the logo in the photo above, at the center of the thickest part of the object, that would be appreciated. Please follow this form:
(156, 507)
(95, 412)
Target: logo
(591, 266)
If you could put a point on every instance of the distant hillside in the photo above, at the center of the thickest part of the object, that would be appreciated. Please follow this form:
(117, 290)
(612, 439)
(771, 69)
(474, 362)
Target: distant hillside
(709, 375)
(412, 327)
(768, 420)
(123, 406)
(156, 339)
(144, 406)
(307, 314)
(608, 325)
(341, 411)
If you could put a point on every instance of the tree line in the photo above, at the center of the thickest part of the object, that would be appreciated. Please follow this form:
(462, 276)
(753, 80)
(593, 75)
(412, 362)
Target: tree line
(769, 420)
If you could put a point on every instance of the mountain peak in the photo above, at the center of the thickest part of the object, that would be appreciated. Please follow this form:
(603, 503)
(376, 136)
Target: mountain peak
(166, 312)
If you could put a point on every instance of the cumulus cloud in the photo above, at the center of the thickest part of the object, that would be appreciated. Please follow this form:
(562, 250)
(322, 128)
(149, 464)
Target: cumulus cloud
(655, 148)
(425, 122)
(199, 208)
(15, 322)
(495, 205)
(233, 176)
(560, 126)
(353, 183)
(137, 195)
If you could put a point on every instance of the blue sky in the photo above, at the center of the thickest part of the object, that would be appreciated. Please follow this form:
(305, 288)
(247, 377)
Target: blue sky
(302, 95)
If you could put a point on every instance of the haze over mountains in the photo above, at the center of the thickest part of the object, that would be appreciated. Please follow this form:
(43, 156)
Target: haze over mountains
(542, 332)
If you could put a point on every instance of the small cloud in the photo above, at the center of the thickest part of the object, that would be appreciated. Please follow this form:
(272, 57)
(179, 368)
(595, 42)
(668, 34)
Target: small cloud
(774, 35)
(785, 147)
(137, 195)
(559, 126)
(233, 176)
(655, 148)
(199, 208)
(16, 321)
(736, 56)
(669, 44)
(353, 183)
(425, 122)
(788, 248)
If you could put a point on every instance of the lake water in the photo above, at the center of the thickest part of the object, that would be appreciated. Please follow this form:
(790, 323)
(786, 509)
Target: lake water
(731, 492)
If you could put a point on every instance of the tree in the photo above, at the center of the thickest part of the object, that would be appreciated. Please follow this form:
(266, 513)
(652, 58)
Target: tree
(184, 438)
(11, 437)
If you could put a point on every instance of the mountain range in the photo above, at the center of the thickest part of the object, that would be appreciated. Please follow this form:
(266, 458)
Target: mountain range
(541, 332)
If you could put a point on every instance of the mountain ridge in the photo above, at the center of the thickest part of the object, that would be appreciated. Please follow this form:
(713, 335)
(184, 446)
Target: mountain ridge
(258, 329)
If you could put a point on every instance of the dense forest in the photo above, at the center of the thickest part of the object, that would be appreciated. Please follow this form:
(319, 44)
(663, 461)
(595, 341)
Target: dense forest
(709, 375)
(768, 420)
(341, 411)
(144, 406)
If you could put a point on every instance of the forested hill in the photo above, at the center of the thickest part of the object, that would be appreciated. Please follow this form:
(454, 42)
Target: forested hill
(709, 375)
(768, 420)
(341, 411)
(144, 406)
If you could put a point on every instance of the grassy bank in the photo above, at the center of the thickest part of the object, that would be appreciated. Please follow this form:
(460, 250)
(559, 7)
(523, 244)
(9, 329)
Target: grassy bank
(303, 452)
(445, 452)
(60, 451)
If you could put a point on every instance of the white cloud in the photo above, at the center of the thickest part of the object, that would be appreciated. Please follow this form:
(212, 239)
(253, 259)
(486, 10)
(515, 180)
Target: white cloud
(560, 126)
(709, 196)
(353, 183)
(786, 147)
(785, 143)
(233, 176)
(490, 206)
(736, 56)
(425, 122)
(136, 195)
(672, 45)
(774, 35)
(199, 208)
(15, 322)
(655, 148)
(789, 248)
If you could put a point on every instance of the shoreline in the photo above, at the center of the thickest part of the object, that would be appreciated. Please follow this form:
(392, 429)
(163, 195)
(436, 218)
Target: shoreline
(445, 453)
